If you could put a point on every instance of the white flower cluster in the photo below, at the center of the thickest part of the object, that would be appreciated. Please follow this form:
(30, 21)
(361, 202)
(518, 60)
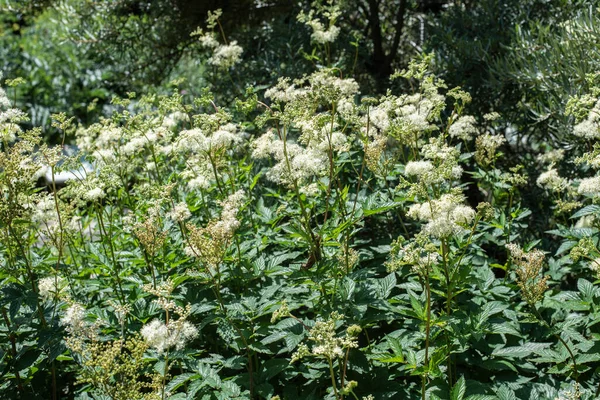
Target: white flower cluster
(327, 344)
(589, 186)
(486, 146)
(73, 318)
(440, 164)
(406, 118)
(9, 119)
(464, 128)
(595, 266)
(284, 91)
(195, 140)
(294, 162)
(299, 161)
(180, 212)
(551, 181)
(162, 337)
(44, 212)
(228, 223)
(208, 243)
(445, 216)
(589, 128)
(418, 168)
(226, 56)
(202, 149)
(574, 394)
(320, 33)
(552, 156)
(172, 120)
(223, 55)
(50, 287)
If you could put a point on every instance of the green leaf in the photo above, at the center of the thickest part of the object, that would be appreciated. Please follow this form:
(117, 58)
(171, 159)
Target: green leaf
(505, 393)
(459, 389)
(587, 210)
(489, 309)
(387, 284)
(586, 288)
(520, 351)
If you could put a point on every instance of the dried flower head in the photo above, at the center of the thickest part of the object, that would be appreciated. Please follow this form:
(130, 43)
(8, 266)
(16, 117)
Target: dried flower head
(485, 148)
(529, 267)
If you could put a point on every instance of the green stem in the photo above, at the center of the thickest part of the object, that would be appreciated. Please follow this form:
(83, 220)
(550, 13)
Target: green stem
(561, 340)
(427, 333)
(448, 302)
(335, 391)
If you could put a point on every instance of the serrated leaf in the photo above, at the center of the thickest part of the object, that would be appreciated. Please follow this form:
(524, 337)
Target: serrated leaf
(520, 351)
(587, 210)
(387, 284)
(459, 389)
(505, 393)
(489, 309)
(586, 288)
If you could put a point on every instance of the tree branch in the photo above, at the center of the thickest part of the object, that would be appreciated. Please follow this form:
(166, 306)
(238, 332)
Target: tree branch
(398, 31)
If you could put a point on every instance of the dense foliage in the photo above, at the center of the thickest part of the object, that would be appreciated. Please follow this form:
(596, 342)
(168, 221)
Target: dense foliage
(299, 240)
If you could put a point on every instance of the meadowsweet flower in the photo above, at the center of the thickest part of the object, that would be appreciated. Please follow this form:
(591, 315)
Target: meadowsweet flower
(210, 243)
(327, 344)
(173, 119)
(94, 194)
(281, 312)
(284, 91)
(209, 41)
(180, 212)
(444, 217)
(162, 337)
(552, 156)
(73, 318)
(573, 394)
(587, 129)
(493, 116)
(418, 168)
(304, 163)
(321, 34)
(551, 181)
(464, 128)
(50, 286)
(378, 118)
(589, 186)
(595, 267)
(226, 56)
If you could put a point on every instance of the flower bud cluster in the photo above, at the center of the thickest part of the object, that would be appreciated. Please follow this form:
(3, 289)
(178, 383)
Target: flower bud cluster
(326, 342)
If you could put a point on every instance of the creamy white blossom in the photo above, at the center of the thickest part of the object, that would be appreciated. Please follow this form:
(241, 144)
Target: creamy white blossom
(552, 156)
(587, 129)
(444, 216)
(162, 337)
(180, 212)
(226, 56)
(550, 180)
(94, 194)
(589, 186)
(464, 128)
(50, 286)
(73, 318)
(418, 168)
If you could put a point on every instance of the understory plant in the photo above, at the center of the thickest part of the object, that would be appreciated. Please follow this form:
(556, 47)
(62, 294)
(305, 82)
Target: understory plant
(307, 241)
